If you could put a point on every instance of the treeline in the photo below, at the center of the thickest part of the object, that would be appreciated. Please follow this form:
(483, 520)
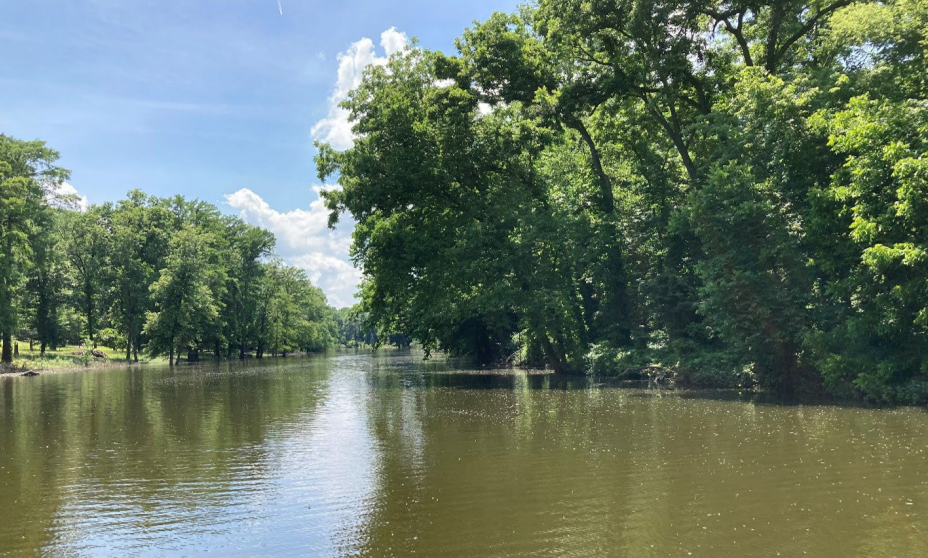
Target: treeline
(355, 331)
(161, 276)
(736, 191)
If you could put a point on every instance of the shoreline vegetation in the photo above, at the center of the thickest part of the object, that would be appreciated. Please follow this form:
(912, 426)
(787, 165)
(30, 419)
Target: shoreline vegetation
(718, 194)
(70, 358)
(736, 192)
(148, 278)
(74, 359)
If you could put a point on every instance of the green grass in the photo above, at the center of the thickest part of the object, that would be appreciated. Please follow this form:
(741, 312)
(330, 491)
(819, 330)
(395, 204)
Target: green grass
(63, 358)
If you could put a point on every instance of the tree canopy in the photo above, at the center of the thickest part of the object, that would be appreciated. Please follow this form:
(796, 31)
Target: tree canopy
(163, 276)
(735, 190)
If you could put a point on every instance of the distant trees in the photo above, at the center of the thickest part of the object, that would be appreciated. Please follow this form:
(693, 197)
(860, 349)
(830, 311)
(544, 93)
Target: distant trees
(735, 190)
(353, 328)
(295, 316)
(166, 276)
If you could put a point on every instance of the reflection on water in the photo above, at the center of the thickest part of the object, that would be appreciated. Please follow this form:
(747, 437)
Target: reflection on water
(384, 455)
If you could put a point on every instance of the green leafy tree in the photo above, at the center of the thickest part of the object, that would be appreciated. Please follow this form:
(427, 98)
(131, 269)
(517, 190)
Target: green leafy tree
(247, 247)
(185, 306)
(87, 242)
(27, 172)
(880, 341)
(47, 288)
(138, 248)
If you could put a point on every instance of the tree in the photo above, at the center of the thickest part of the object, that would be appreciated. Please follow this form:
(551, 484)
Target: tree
(27, 173)
(687, 183)
(185, 308)
(139, 231)
(87, 243)
(248, 245)
(46, 290)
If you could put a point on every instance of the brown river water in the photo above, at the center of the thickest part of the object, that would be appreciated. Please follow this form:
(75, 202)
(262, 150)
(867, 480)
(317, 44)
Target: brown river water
(354, 454)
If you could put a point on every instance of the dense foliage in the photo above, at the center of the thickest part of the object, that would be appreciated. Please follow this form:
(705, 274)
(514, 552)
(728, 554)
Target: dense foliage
(735, 190)
(160, 276)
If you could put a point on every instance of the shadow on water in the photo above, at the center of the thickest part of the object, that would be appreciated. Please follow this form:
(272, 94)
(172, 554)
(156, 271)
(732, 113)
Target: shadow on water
(407, 369)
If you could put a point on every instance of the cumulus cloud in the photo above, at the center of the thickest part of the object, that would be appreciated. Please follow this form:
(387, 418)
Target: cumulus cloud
(66, 196)
(335, 128)
(303, 237)
(304, 240)
(393, 41)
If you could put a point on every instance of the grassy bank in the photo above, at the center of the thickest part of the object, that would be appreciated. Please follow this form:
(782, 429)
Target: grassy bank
(69, 357)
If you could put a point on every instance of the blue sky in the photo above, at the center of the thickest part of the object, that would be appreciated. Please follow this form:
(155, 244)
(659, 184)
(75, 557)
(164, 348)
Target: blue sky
(214, 99)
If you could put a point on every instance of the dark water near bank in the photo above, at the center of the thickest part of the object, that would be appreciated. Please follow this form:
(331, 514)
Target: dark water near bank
(354, 455)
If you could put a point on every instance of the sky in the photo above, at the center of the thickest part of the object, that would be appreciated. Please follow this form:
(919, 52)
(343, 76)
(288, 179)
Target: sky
(218, 100)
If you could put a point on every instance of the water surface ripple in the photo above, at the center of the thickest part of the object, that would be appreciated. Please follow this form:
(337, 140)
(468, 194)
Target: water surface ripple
(354, 454)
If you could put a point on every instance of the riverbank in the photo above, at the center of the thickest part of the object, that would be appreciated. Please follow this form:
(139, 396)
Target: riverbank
(74, 359)
(71, 358)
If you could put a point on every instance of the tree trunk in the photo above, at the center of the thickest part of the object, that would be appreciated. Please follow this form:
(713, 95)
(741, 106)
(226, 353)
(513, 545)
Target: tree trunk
(89, 298)
(129, 344)
(193, 355)
(42, 346)
(616, 303)
(556, 359)
(171, 356)
(7, 356)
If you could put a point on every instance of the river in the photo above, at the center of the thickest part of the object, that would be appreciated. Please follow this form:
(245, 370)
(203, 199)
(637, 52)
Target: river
(355, 454)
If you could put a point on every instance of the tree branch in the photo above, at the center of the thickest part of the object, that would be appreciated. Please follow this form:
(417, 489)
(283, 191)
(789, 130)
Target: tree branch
(604, 181)
(734, 30)
(779, 53)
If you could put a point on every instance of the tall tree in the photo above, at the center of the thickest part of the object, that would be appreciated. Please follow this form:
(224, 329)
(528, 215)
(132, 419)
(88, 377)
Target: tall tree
(87, 243)
(247, 247)
(185, 308)
(27, 172)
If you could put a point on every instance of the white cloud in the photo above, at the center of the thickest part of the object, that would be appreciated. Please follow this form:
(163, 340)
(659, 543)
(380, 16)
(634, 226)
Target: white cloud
(64, 195)
(335, 128)
(393, 41)
(304, 240)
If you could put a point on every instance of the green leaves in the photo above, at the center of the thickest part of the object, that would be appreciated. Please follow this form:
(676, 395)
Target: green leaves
(27, 170)
(735, 187)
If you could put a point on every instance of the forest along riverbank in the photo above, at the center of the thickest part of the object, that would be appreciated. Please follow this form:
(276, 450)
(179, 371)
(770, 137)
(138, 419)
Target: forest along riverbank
(386, 454)
(146, 276)
(735, 191)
